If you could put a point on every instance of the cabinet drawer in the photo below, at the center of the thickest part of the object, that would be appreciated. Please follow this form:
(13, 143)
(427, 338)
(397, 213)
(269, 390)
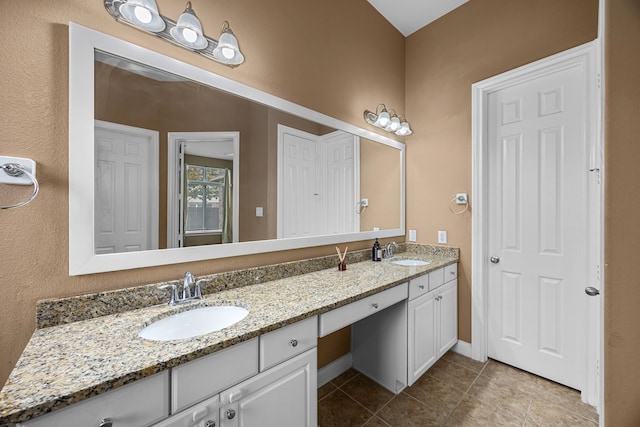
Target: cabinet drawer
(140, 403)
(418, 286)
(348, 314)
(436, 279)
(450, 272)
(202, 378)
(287, 342)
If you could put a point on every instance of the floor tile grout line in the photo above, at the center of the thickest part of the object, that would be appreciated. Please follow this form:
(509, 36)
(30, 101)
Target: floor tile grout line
(466, 393)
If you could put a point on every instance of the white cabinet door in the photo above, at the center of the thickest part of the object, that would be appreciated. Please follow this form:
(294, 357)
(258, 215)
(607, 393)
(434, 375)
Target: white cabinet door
(283, 396)
(422, 335)
(447, 307)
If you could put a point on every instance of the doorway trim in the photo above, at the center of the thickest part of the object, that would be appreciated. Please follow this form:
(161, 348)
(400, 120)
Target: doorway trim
(583, 56)
(174, 140)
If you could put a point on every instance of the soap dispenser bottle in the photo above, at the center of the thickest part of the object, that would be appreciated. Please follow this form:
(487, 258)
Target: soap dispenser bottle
(376, 251)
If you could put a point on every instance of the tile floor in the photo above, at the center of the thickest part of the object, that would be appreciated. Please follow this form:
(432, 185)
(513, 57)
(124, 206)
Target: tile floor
(456, 391)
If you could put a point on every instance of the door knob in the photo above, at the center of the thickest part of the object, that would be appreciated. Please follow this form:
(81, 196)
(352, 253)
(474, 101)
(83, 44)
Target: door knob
(494, 259)
(591, 291)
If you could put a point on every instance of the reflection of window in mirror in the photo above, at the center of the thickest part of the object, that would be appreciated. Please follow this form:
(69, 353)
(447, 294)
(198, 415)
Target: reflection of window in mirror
(207, 201)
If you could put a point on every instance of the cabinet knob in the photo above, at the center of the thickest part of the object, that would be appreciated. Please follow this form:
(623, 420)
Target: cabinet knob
(375, 305)
(294, 343)
(230, 414)
(421, 286)
(105, 422)
(210, 423)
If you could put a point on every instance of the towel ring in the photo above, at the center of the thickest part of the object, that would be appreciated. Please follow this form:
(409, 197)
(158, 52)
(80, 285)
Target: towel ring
(16, 170)
(466, 206)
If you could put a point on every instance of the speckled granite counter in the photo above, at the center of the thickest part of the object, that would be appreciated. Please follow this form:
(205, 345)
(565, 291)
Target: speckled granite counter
(67, 363)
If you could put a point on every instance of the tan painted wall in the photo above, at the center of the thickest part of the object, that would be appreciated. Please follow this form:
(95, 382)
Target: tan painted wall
(622, 231)
(476, 41)
(304, 52)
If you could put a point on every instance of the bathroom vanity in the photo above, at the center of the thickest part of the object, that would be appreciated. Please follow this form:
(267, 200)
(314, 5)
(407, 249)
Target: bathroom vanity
(100, 372)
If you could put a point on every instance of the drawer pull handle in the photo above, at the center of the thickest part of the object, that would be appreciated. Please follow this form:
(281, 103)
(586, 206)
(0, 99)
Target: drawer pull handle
(230, 414)
(210, 423)
(294, 343)
(106, 422)
(452, 273)
(375, 305)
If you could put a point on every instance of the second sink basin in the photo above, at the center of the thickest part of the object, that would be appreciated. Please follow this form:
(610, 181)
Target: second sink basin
(192, 323)
(410, 262)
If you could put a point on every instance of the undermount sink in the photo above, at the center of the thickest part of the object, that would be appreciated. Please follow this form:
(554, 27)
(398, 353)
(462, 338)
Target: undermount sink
(410, 262)
(192, 323)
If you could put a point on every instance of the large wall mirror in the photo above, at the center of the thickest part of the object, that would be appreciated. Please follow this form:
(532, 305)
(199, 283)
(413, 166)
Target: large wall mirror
(170, 163)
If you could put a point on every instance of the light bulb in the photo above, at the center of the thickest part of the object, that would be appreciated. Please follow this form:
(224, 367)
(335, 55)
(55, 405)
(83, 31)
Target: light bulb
(228, 52)
(189, 35)
(143, 14)
(383, 119)
(394, 125)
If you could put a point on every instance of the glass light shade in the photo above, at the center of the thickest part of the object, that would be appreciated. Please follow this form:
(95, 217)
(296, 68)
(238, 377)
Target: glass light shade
(228, 51)
(143, 14)
(188, 30)
(383, 119)
(394, 124)
(404, 129)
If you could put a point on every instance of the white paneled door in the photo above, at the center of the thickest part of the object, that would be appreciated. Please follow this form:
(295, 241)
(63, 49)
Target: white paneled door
(537, 225)
(126, 192)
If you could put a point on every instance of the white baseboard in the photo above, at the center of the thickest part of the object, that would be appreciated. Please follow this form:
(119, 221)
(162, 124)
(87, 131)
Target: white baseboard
(463, 348)
(333, 369)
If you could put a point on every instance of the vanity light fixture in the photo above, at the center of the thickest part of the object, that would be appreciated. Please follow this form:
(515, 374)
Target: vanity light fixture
(143, 14)
(389, 122)
(227, 50)
(187, 32)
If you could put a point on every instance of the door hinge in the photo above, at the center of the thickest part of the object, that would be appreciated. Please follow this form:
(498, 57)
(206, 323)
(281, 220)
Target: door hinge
(599, 81)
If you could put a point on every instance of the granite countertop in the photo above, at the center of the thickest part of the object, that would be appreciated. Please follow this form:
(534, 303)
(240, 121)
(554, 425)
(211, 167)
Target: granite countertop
(65, 364)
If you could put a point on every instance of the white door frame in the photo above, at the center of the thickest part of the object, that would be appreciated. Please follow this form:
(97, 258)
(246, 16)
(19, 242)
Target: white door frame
(173, 183)
(583, 56)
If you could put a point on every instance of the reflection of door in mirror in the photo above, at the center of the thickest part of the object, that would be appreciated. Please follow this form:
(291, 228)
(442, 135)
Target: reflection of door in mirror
(318, 185)
(202, 201)
(126, 168)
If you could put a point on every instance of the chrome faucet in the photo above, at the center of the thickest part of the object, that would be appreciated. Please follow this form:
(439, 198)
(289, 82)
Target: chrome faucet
(186, 295)
(389, 249)
(188, 281)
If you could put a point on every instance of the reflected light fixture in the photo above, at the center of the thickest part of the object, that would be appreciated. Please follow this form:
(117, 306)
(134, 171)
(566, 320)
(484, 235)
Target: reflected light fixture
(389, 122)
(187, 32)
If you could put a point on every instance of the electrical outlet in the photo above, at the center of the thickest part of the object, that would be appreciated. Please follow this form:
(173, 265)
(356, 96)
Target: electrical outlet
(412, 236)
(442, 236)
(259, 211)
(364, 203)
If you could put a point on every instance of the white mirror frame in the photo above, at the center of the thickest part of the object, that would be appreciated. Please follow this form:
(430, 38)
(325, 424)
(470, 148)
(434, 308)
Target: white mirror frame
(82, 258)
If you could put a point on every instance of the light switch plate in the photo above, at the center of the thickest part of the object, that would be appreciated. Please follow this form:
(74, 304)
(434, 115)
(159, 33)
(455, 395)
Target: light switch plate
(442, 236)
(412, 235)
